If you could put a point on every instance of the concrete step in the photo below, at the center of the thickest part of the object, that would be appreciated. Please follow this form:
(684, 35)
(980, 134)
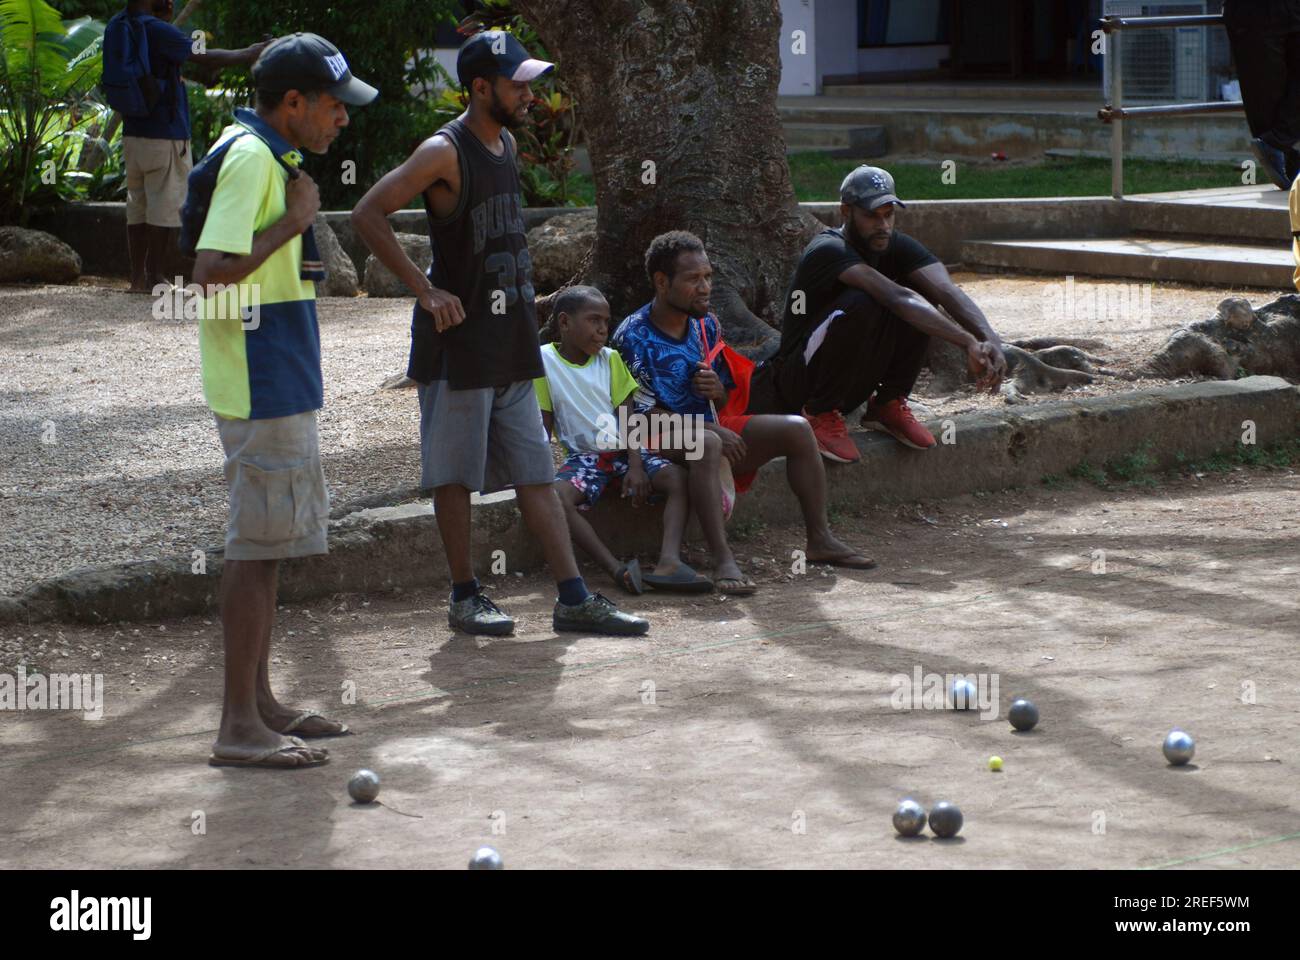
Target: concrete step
(1253, 214)
(871, 109)
(1021, 129)
(1144, 258)
(985, 92)
(869, 141)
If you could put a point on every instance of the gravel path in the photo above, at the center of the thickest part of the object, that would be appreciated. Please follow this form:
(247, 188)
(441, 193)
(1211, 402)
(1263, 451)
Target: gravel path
(111, 454)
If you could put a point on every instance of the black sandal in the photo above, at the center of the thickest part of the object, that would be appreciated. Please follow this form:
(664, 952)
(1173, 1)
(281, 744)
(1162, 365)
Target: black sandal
(628, 577)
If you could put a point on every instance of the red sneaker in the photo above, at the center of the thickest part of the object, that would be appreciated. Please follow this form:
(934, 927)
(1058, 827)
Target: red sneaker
(895, 418)
(833, 436)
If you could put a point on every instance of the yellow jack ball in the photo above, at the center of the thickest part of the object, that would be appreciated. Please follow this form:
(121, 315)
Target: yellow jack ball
(995, 764)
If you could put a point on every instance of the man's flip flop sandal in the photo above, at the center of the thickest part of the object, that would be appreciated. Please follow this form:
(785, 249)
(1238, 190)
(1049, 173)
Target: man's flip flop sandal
(853, 561)
(732, 587)
(260, 759)
(306, 715)
(681, 580)
(629, 578)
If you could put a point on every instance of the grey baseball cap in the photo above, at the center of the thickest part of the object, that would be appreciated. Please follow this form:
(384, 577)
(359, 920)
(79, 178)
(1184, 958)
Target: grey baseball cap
(869, 187)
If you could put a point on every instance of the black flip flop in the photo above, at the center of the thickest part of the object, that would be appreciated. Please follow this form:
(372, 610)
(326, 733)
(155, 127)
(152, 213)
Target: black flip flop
(630, 573)
(681, 580)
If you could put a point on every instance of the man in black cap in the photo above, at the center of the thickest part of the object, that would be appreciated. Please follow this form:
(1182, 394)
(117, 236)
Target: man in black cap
(260, 347)
(859, 314)
(1265, 40)
(474, 345)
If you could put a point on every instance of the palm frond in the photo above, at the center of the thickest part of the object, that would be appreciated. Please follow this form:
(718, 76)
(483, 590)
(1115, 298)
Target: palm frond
(33, 42)
(82, 33)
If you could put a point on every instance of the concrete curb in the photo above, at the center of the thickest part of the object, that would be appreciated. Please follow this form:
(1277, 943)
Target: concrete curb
(384, 548)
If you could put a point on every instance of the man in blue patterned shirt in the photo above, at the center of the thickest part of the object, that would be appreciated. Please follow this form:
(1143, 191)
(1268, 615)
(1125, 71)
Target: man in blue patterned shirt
(663, 345)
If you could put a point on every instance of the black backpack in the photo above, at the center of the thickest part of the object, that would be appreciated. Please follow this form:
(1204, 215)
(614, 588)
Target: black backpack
(201, 185)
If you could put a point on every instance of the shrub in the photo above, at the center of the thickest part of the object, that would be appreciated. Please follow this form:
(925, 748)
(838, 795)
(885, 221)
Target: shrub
(48, 68)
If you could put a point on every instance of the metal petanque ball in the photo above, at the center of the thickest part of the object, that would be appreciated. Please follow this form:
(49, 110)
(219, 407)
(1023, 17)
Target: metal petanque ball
(1023, 714)
(485, 858)
(962, 695)
(945, 819)
(909, 818)
(364, 786)
(1179, 748)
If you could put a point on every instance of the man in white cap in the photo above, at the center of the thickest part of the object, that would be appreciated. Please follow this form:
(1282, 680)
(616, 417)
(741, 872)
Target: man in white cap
(474, 346)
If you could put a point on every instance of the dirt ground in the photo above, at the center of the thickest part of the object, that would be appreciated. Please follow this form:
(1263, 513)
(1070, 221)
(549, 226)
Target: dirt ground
(771, 740)
(111, 454)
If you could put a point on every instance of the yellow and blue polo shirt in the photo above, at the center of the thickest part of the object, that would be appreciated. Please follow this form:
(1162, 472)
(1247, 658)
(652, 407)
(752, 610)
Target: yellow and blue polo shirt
(272, 368)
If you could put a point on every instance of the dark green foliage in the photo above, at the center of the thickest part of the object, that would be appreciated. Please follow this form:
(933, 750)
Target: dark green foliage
(381, 39)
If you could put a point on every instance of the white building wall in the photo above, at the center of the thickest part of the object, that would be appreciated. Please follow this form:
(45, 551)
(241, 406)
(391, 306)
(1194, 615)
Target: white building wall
(837, 38)
(798, 70)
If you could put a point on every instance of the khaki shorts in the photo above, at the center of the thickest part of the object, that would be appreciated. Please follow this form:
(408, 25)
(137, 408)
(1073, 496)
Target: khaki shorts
(279, 506)
(157, 178)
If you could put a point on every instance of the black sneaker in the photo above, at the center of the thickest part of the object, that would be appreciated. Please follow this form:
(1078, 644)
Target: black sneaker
(1273, 161)
(597, 615)
(478, 614)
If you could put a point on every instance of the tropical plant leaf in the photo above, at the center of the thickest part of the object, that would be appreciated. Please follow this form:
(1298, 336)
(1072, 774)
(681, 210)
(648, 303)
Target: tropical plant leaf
(32, 36)
(81, 34)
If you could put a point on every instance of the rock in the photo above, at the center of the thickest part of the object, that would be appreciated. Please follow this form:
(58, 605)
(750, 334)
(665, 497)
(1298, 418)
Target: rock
(558, 248)
(33, 256)
(340, 272)
(398, 381)
(1237, 314)
(381, 282)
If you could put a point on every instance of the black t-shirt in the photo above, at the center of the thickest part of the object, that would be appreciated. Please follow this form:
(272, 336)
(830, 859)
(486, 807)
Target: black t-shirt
(480, 253)
(817, 275)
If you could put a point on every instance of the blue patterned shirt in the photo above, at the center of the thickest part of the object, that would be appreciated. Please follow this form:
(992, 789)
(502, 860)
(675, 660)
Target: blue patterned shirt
(663, 366)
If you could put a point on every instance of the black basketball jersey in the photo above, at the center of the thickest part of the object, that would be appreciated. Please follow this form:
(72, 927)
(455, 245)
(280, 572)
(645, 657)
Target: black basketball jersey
(480, 254)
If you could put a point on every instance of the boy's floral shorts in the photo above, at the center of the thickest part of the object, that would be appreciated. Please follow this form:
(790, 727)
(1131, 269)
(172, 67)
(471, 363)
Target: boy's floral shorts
(593, 472)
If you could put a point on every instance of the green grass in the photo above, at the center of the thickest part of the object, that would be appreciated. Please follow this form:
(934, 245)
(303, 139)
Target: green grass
(1086, 471)
(1134, 467)
(817, 176)
(746, 528)
(1278, 456)
(1137, 469)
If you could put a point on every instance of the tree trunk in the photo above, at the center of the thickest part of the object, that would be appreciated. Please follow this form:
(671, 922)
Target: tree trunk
(679, 99)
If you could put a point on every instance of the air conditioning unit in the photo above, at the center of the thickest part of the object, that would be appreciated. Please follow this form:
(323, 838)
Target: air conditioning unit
(1167, 64)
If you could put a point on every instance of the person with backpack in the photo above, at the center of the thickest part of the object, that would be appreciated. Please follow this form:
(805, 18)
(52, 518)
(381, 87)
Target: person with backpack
(260, 347)
(143, 55)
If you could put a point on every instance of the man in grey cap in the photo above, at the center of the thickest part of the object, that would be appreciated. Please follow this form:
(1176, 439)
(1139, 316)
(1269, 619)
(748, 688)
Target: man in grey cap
(861, 308)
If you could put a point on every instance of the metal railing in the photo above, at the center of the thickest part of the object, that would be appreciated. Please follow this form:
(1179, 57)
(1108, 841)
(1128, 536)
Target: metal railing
(1115, 113)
